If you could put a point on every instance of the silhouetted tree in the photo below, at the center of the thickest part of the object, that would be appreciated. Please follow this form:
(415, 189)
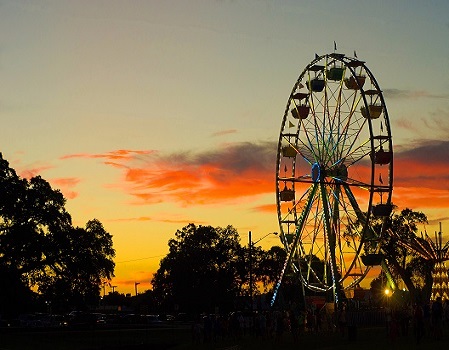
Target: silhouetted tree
(405, 263)
(202, 270)
(116, 300)
(269, 266)
(40, 248)
(88, 262)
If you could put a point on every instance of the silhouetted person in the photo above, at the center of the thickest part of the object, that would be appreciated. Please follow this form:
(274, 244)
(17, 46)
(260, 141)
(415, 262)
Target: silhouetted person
(294, 326)
(196, 331)
(280, 327)
(418, 322)
(437, 318)
(427, 320)
(342, 321)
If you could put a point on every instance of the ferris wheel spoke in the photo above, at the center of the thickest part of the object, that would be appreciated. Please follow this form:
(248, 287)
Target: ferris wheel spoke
(337, 225)
(348, 126)
(349, 241)
(300, 224)
(331, 235)
(359, 184)
(299, 151)
(362, 217)
(296, 204)
(366, 186)
(317, 123)
(348, 146)
(311, 134)
(336, 117)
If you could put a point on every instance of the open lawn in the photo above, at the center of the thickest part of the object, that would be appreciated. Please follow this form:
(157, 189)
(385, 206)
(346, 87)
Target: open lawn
(179, 338)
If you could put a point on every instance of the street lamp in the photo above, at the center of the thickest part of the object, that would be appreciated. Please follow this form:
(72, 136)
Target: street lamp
(251, 244)
(135, 286)
(104, 288)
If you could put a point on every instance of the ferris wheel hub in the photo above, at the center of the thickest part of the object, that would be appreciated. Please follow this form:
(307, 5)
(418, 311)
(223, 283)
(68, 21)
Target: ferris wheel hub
(316, 172)
(338, 172)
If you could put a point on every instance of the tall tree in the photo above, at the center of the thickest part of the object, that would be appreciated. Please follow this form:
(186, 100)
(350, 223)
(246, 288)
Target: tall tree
(269, 266)
(39, 247)
(201, 270)
(87, 262)
(404, 263)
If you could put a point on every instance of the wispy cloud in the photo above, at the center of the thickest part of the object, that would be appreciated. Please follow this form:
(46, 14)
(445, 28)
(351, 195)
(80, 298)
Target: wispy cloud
(406, 124)
(66, 185)
(158, 219)
(412, 94)
(224, 132)
(437, 220)
(121, 154)
(435, 123)
(33, 170)
(140, 218)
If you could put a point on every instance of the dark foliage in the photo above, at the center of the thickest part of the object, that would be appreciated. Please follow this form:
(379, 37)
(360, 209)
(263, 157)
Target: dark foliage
(41, 250)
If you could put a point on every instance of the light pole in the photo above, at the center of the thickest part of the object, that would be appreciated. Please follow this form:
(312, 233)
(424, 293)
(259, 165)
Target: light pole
(135, 286)
(251, 244)
(104, 288)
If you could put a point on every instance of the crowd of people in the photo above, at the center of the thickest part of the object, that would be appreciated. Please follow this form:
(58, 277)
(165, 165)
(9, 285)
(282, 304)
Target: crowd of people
(419, 320)
(427, 319)
(272, 325)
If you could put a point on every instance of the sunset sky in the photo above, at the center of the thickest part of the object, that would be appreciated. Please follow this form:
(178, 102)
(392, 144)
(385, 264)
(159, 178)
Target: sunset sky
(149, 115)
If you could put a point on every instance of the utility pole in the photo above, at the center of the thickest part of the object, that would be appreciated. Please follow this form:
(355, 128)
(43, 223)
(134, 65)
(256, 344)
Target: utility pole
(250, 271)
(251, 244)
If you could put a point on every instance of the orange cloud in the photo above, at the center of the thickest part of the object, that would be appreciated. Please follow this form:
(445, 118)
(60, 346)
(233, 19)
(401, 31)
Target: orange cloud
(140, 218)
(268, 208)
(33, 171)
(66, 184)
(417, 197)
(228, 174)
(425, 166)
(240, 171)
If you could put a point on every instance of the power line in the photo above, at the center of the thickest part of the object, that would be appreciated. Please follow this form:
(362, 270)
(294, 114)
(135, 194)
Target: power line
(148, 257)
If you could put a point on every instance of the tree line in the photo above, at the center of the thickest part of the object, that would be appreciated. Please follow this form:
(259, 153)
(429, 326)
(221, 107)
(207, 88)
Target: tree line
(207, 268)
(45, 259)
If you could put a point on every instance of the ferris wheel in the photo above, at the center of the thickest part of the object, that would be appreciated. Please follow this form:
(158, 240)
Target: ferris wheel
(334, 173)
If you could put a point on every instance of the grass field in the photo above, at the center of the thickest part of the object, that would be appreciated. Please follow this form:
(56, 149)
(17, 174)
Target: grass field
(179, 338)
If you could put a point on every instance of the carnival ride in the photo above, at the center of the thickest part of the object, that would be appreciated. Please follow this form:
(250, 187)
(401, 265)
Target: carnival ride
(435, 252)
(333, 174)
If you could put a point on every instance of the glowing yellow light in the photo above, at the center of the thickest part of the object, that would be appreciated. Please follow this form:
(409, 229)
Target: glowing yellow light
(387, 292)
